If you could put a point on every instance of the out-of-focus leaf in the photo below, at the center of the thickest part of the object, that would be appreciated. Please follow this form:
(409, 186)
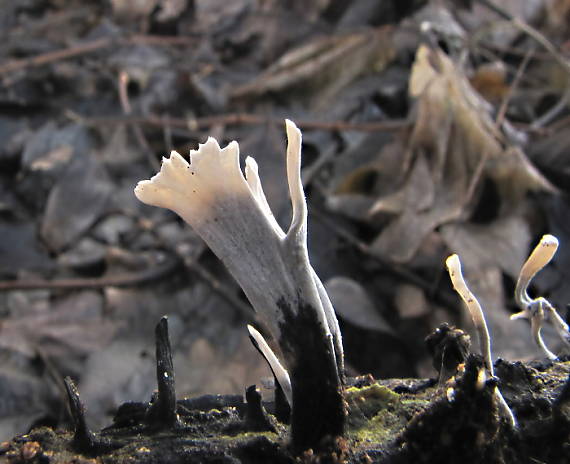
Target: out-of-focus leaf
(133, 8)
(46, 156)
(76, 201)
(24, 400)
(411, 301)
(74, 325)
(497, 32)
(551, 154)
(403, 236)
(352, 303)
(20, 249)
(321, 68)
(490, 81)
(122, 371)
(417, 194)
(502, 244)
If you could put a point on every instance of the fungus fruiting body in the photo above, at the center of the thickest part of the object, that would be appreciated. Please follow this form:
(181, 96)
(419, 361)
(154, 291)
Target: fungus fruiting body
(231, 214)
(539, 309)
(454, 268)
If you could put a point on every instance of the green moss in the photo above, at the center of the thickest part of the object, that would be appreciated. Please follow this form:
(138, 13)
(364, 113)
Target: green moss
(367, 401)
(246, 435)
(377, 414)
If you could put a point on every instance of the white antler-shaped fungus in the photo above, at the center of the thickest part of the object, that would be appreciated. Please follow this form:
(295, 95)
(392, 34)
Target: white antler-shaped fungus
(538, 308)
(231, 214)
(453, 265)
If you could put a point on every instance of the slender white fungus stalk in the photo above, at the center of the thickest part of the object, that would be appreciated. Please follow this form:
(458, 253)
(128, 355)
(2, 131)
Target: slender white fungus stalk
(453, 265)
(281, 375)
(454, 269)
(231, 214)
(538, 309)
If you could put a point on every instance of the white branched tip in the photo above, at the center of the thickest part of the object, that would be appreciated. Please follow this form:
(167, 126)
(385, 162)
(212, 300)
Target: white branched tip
(231, 214)
(539, 309)
(453, 265)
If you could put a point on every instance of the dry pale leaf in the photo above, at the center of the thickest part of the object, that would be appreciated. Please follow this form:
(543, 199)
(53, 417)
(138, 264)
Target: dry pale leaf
(352, 303)
(503, 243)
(454, 120)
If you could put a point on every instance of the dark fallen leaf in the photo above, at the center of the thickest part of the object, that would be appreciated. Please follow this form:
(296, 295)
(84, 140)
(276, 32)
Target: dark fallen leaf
(46, 155)
(74, 325)
(77, 200)
(24, 400)
(21, 250)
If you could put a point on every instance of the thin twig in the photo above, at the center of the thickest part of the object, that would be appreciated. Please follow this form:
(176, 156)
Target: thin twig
(516, 81)
(238, 119)
(553, 112)
(139, 134)
(530, 31)
(89, 47)
(152, 274)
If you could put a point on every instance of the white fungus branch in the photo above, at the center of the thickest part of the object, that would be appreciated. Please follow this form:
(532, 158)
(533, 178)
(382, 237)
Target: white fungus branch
(281, 375)
(538, 309)
(454, 269)
(453, 265)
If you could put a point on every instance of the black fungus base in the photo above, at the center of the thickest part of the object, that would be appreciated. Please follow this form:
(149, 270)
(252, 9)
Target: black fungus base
(319, 413)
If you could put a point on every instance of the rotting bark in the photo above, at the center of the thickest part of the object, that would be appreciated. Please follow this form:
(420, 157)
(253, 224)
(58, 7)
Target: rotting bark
(390, 421)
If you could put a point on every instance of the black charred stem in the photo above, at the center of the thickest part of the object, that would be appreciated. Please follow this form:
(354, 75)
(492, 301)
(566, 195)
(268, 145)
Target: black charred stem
(319, 412)
(83, 438)
(162, 412)
(282, 408)
(256, 417)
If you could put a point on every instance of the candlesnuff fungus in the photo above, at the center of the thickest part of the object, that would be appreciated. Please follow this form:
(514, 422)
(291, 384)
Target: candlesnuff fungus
(231, 214)
(534, 309)
(453, 265)
(279, 372)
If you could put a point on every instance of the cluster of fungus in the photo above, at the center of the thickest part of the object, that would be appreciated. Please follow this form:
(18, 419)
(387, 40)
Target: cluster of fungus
(230, 212)
(536, 309)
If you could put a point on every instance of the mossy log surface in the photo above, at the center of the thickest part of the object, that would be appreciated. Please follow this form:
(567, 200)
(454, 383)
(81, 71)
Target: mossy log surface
(390, 421)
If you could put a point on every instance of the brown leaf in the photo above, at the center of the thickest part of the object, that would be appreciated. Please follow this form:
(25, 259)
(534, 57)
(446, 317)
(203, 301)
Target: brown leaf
(454, 121)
